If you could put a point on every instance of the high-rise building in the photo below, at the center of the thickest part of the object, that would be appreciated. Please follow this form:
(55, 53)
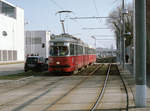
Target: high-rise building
(11, 32)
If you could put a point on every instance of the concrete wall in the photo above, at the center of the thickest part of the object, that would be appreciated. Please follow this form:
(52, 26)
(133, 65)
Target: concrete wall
(35, 41)
(14, 39)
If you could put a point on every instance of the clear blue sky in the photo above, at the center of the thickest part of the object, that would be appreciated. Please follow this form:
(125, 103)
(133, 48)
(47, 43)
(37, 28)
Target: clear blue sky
(41, 15)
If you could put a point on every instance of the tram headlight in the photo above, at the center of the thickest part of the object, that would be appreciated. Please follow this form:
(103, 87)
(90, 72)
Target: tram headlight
(58, 63)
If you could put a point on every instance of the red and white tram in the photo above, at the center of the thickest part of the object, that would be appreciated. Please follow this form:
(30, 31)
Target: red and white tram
(68, 54)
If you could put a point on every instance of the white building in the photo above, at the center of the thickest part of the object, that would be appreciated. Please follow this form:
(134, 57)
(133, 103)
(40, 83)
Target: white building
(37, 43)
(11, 32)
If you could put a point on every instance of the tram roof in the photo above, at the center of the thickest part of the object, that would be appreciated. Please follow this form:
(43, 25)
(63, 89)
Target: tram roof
(66, 38)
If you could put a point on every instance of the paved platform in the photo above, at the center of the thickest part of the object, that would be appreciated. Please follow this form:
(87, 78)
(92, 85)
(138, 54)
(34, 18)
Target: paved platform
(129, 79)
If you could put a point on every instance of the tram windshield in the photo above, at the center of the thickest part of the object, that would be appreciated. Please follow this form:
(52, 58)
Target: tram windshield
(59, 50)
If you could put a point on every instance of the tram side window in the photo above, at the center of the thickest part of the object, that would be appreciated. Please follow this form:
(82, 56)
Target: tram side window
(75, 50)
(71, 49)
(86, 50)
(78, 52)
(81, 49)
(89, 51)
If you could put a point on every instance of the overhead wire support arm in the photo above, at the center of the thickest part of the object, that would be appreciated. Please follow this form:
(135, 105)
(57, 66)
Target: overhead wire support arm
(105, 39)
(93, 17)
(104, 35)
(93, 28)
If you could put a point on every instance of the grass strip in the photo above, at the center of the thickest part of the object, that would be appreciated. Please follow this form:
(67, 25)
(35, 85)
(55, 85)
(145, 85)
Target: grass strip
(20, 75)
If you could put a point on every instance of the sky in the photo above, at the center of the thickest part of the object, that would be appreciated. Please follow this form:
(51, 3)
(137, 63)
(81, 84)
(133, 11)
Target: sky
(41, 15)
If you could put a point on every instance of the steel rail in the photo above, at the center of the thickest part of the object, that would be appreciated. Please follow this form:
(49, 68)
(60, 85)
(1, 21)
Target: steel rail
(28, 94)
(127, 95)
(37, 97)
(60, 98)
(102, 91)
(21, 86)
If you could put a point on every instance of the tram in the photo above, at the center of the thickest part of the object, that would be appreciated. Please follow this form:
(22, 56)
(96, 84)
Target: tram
(69, 54)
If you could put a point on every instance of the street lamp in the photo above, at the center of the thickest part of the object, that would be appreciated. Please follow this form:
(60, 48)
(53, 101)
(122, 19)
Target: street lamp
(95, 40)
(127, 34)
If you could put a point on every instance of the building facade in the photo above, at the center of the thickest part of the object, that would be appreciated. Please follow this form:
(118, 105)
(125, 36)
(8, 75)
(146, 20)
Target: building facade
(37, 43)
(11, 32)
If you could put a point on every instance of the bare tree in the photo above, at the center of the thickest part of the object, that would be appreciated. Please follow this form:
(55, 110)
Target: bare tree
(116, 24)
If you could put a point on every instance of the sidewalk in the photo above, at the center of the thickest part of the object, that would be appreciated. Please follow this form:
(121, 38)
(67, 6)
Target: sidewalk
(8, 69)
(128, 77)
(11, 62)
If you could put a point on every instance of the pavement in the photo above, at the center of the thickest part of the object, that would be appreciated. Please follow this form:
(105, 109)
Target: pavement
(127, 75)
(8, 69)
(129, 67)
(129, 79)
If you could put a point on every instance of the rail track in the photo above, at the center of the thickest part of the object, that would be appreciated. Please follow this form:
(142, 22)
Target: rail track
(102, 91)
(34, 82)
(83, 91)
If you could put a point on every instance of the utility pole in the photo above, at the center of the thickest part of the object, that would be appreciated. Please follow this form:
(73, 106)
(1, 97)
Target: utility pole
(140, 20)
(120, 39)
(134, 44)
(123, 37)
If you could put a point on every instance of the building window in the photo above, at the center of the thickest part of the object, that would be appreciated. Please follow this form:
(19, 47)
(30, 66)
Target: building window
(37, 41)
(14, 55)
(4, 55)
(32, 40)
(4, 33)
(43, 45)
(9, 55)
(7, 10)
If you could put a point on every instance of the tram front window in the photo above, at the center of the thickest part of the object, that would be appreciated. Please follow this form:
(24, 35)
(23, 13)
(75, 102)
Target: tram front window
(59, 50)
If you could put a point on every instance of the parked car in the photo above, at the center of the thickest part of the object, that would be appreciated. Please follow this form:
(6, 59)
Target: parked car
(35, 63)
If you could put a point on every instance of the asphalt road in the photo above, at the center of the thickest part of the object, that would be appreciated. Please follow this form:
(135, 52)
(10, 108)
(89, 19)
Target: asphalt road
(11, 69)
